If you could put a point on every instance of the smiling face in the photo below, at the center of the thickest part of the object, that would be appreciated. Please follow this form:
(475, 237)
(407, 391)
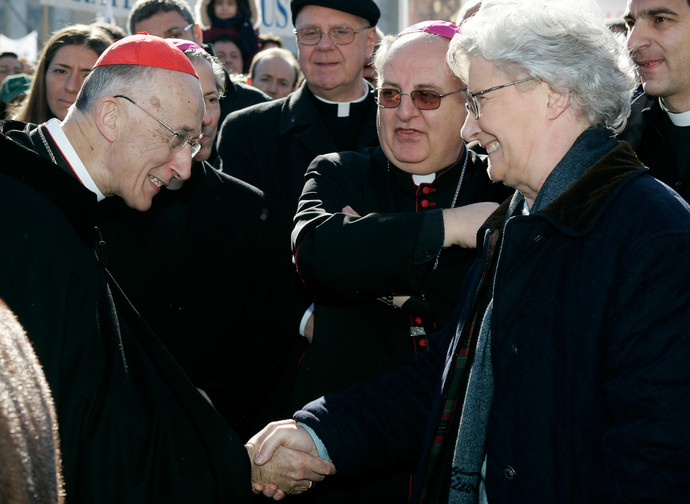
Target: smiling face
(65, 75)
(421, 141)
(659, 39)
(274, 76)
(512, 126)
(144, 162)
(334, 72)
(209, 125)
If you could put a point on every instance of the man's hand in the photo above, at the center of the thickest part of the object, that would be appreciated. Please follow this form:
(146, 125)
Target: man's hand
(285, 460)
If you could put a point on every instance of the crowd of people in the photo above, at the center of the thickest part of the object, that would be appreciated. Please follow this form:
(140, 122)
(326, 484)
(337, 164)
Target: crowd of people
(444, 265)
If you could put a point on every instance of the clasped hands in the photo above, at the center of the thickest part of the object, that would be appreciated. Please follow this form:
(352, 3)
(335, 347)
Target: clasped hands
(285, 461)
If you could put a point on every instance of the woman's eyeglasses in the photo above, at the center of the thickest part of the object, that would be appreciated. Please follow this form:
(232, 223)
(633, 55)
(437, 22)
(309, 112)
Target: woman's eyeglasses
(472, 104)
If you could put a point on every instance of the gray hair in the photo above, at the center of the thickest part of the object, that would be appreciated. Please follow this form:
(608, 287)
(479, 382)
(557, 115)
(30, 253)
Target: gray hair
(563, 43)
(198, 55)
(112, 80)
(384, 48)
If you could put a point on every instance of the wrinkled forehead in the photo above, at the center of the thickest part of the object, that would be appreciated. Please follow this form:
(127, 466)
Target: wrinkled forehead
(207, 78)
(419, 53)
(325, 17)
(274, 64)
(176, 94)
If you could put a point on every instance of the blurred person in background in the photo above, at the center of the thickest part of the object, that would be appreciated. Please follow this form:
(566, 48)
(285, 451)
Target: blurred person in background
(369, 70)
(275, 71)
(13, 91)
(116, 33)
(9, 65)
(237, 19)
(66, 60)
(268, 40)
(228, 51)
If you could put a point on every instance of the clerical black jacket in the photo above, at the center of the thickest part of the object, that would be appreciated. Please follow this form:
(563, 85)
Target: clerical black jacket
(133, 428)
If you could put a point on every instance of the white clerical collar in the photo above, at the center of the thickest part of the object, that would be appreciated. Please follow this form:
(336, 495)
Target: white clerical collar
(54, 127)
(423, 179)
(344, 107)
(679, 119)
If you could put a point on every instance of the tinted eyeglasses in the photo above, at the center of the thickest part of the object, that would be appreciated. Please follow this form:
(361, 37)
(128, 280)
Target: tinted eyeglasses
(472, 104)
(340, 35)
(423, 99)
(180, 138)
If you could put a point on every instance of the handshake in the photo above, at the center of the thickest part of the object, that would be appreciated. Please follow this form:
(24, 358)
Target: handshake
(285, 460)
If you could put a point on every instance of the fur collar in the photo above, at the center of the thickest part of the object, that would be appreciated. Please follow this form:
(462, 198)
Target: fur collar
(577, 209)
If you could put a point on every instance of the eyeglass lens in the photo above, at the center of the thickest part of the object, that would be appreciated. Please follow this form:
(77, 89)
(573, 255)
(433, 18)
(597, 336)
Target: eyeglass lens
(341, 35)
(423, 99)
(471, 104)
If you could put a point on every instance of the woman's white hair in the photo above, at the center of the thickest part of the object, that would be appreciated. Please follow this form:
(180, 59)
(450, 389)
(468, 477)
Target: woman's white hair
(561, 42)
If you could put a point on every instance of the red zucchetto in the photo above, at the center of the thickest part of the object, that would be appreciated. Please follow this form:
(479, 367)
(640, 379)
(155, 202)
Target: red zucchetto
(146, 50)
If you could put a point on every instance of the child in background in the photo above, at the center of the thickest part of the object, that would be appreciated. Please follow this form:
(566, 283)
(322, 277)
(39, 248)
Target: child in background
(237, 19)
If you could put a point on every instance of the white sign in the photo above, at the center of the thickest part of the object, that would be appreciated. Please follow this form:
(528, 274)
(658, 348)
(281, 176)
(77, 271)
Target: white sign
(118, 8)
(277, 18)
(612, 8)
(25, 47)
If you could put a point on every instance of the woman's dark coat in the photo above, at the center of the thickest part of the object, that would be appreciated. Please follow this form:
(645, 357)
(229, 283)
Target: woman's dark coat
(590, 352)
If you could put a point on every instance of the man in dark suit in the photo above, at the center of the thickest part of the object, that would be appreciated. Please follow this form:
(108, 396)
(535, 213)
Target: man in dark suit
(659, 126)
(271, 145)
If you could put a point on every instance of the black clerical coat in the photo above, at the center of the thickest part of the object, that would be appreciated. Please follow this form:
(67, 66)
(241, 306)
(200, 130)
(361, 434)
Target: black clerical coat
(662, 146)
(270, 146)
(133, 428)
(200, 267)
